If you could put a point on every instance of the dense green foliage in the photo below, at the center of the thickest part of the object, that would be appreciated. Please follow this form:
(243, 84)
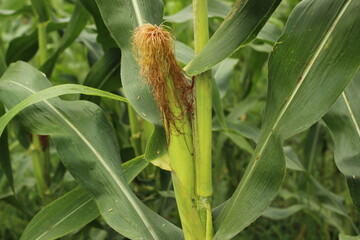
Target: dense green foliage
(84, 155)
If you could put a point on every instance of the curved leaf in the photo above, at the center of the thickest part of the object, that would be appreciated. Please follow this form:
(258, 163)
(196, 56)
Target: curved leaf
(5, 163)
(73, 210)
(240, 27)
(66, 214)
(85, 142)
(281, 213)
(344, 123)
(104, 36)
(156, 150)
(312, 63)
(51, 93)
(25, 47)
(73, 29)
(346, 237)
(121, 18)
(104, 74)
(215, 9)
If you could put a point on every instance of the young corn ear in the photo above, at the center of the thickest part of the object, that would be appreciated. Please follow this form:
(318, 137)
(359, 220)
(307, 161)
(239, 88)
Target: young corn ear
(154, 49)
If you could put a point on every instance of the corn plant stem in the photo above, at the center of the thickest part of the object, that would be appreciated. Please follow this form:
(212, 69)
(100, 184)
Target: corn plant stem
(183, 170)
(135, 130)
(203, 122)
(42, 35)
(41, 154)
(41, 161)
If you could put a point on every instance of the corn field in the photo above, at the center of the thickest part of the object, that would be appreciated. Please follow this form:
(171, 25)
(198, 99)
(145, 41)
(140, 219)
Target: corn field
(179, 119)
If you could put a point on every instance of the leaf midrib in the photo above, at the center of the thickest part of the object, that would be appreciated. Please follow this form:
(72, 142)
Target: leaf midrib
(102, 161)
(63, 218)
(137, 11)
(352, 115)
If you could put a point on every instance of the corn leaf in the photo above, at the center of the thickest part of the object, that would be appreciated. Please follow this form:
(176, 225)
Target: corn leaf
(282, 213)
(104, 74)
(5, 162)
(104, 36)
(51, 93)
(41, 9)
(25, 47)
(313, 61)
(347, 237)
(121, 18)
(73, 210)
(240, 27)
(86, 144)
(73, 29)
(215, 9)
(344, 121)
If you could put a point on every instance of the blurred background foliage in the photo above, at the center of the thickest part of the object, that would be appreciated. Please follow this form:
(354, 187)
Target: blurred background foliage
(314, 202)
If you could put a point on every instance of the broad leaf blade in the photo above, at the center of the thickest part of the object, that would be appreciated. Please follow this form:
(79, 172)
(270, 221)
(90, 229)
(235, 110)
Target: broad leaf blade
(304, 82)
(121, 18)
(51, 93)
(322, 57)
(85, 142)
(239, 28)
(344, 123)
(66, 214)
(73, 210)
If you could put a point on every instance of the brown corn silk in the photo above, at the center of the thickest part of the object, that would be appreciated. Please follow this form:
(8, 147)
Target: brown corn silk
(154, 49)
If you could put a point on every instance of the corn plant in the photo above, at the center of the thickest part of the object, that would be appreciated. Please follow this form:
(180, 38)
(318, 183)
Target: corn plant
(153, 109)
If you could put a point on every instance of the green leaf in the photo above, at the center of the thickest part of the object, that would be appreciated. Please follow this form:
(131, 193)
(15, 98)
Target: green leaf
(344, 121)
(73, 29)
(223, 73)
(51, 92)
(309, 68)
(73, 210)
(64, 215)
(103, 36)
(41, 9)
(346, 237)
(215, 9)
(86, 144)
(11, 12)
(183, 52)
(5, 162)
(217, 104)
(157, 149)
(292, 160)
(25, 47)
(281, 213)
(240, 141)
(270, 33)
(121, 18)
(240, 27)
(104, 74)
